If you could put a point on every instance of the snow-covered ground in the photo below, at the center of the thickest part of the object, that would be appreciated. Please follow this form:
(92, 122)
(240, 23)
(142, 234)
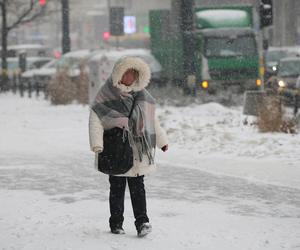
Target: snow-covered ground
(222, 185)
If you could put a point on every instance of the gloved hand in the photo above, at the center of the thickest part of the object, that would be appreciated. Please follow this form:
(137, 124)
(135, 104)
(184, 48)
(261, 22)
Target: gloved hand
(97, 150)
(165, 148)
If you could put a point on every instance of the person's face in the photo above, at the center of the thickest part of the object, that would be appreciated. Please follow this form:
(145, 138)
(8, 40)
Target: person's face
(129, 77)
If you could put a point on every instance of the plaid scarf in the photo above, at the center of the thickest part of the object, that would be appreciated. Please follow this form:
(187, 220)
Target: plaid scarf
(113, 108)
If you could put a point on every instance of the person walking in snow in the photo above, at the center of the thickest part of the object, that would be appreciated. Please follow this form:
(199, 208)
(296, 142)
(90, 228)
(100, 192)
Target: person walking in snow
(124, 103)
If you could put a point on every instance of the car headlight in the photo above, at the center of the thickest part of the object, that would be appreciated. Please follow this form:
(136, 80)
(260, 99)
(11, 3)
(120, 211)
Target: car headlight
(204, 84)
(281, 84)
(258, 82)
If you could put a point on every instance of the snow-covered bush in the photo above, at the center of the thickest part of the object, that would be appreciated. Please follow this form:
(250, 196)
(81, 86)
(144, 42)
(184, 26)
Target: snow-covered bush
(64, 89)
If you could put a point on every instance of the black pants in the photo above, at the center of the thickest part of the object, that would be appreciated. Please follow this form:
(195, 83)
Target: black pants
(116, 200)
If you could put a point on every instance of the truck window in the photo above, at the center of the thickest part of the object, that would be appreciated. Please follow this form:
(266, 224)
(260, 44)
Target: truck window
(228, 47)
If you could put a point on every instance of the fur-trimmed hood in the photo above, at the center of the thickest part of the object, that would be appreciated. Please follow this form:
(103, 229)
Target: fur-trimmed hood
(130, 62)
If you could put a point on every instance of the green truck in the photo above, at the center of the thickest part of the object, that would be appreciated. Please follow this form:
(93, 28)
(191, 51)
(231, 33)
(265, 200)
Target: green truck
(225, 48)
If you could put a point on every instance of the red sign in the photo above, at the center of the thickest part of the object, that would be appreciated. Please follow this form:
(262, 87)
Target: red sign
(42, 2)
(105, 36)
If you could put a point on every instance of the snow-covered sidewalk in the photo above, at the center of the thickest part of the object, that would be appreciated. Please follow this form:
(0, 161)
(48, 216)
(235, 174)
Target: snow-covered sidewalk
(222, 185)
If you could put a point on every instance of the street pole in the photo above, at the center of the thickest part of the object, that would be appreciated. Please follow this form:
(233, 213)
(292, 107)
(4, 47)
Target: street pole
(187, 26)
(291, 23)
(66, 41)
(4, 80)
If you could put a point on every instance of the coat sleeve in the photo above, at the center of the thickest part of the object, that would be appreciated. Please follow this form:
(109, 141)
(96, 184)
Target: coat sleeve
(161, 136)
(95, 132)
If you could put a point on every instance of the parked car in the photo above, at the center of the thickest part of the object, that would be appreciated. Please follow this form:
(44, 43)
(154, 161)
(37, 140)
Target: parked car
(70, 62)
(285, 81)
(31, 50)
(28, 76)
(272, 58)
(274, 54)
(13, 65)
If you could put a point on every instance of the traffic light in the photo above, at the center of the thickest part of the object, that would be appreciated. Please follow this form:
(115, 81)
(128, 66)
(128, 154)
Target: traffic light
(105, 36)
(116, 21)
(42, 3)
(266, 13)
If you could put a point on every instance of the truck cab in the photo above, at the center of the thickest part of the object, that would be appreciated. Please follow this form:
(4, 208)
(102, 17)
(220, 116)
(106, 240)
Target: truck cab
(226, 49)
(220, 49)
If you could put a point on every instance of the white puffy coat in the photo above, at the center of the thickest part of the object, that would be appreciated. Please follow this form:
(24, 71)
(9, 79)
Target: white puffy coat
(96, 128)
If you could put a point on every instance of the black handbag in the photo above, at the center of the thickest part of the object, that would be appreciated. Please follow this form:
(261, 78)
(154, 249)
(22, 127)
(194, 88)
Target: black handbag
(117, 155)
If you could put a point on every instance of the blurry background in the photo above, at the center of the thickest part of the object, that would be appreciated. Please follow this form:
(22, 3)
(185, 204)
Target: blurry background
(89, 20)
(79, 33)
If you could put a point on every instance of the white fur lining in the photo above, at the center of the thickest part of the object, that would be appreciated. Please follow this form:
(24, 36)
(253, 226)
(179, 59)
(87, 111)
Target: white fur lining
(136, 63)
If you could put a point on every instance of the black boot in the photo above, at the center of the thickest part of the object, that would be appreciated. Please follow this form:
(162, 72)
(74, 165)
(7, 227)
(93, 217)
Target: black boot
(144, 229)
(117, 230)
